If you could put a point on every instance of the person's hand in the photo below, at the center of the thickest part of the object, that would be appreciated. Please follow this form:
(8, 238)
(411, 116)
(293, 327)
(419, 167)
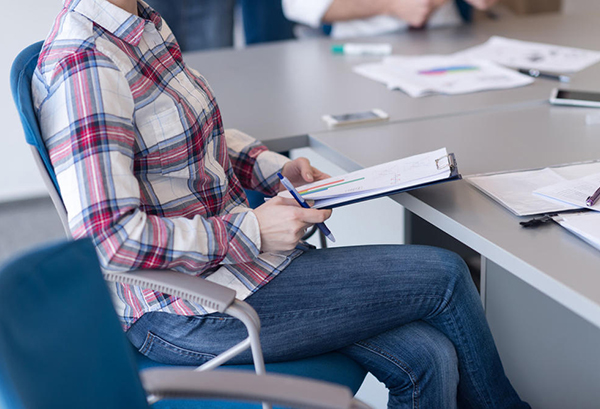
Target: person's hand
(283, 222)
(481, 4)
(300, 172)
(414, 12)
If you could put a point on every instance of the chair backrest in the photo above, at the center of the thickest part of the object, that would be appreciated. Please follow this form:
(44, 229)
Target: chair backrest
(61, 344)
(20, 83)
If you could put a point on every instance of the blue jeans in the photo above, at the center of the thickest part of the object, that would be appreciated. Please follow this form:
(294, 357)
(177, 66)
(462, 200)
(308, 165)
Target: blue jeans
(198, 24)
(408, 314)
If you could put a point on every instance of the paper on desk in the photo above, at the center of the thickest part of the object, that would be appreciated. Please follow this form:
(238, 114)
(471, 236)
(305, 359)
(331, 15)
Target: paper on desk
(523, 54)
(514, 190)
(425, 75)
(574, 192)
(585, 225)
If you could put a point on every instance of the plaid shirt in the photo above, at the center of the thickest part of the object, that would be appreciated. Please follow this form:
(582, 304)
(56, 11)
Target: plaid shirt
(144, 165)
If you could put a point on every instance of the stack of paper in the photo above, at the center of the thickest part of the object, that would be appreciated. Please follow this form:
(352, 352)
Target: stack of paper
(573, 192)
(475, 69)
(585, 225)
(520, 191)
(399, 175)
(420, 76)
(528, 55)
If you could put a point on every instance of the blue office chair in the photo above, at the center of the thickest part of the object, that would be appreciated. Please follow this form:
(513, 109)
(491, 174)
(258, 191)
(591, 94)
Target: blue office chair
(333, 367)
(61, 345)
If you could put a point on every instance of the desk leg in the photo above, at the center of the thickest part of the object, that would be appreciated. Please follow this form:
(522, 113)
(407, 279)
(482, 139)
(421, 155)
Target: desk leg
(551, 355)
(483, 280)
(419, 231)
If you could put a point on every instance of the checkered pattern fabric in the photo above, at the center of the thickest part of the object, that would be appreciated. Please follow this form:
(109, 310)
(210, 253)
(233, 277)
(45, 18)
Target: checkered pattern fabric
(143, 162)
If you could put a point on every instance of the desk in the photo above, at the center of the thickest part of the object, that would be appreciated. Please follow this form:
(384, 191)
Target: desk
(283, 89)
(541, 287)
(560, 368)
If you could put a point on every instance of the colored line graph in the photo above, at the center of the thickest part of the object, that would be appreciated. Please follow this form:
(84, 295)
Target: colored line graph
(325, 186)
(449, 70)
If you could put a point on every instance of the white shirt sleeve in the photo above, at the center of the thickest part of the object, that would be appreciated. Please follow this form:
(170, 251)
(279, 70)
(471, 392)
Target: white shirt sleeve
(309, 12)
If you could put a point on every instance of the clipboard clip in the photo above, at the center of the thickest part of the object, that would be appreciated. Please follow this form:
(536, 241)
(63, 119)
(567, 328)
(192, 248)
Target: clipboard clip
(446, 161)
(535, 222)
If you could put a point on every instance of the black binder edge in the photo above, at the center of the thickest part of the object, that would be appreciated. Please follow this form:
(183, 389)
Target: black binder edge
(454, 175)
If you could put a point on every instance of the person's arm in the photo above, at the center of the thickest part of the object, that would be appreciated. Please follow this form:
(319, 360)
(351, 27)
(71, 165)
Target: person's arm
(316, 12)
(255, 166)
(481, 4)
(87, 120)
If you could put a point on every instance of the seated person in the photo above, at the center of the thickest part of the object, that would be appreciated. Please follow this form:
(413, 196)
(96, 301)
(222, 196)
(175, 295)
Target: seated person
(148, 171)
(353, 18)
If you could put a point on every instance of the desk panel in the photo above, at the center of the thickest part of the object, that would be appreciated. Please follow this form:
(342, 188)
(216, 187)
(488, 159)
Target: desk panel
(283, 89)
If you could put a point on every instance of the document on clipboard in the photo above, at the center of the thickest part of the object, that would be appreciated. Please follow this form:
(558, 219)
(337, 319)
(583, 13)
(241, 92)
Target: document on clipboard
(381, 180)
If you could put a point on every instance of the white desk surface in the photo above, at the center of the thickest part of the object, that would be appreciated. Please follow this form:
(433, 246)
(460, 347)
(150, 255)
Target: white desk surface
(282, 89)
(548, 257)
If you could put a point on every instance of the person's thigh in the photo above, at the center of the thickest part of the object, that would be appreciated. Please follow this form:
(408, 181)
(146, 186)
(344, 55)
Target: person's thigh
(323, 301)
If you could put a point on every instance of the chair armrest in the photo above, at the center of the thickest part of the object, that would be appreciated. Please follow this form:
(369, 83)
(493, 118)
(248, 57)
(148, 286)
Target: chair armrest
(191, 288)
(241, 385)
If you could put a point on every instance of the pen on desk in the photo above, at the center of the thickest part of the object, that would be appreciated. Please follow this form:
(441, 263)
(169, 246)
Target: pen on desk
(591, 200)
(539, 74)
(290, 188)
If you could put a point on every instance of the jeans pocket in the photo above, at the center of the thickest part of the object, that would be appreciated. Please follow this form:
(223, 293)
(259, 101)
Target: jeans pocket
(160, 350)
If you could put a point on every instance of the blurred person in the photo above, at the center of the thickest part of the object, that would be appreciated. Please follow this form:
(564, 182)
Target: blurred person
(208, 24)
(354, 18)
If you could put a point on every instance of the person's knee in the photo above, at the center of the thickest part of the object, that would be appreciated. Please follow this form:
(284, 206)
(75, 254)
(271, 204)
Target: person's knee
(450, 267)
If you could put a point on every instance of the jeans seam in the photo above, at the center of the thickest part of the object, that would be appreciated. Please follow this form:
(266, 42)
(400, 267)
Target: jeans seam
(151, 339)
(323, 310)
(396, 361)
(484, 397)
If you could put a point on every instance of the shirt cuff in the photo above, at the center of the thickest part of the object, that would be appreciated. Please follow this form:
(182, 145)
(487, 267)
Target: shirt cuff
(266, 167)
(309, 12)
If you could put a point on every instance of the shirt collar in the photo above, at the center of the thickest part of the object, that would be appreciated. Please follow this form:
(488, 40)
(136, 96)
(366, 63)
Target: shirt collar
(115, 20)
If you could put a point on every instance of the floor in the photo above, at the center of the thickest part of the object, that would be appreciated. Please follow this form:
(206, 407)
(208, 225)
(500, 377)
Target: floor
(27, 223)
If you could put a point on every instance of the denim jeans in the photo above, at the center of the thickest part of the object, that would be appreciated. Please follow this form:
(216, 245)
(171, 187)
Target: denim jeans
(198, 24)
(408, 314)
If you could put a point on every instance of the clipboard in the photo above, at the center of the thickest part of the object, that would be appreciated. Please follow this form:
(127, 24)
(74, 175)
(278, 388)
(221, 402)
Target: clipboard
(448, 161)
(401, 175)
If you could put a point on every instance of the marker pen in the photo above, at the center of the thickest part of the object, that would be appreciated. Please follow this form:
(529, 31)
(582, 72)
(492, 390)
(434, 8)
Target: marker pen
(362, 49)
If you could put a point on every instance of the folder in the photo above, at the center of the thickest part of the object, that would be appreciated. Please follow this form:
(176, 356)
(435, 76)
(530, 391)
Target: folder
(386, 179)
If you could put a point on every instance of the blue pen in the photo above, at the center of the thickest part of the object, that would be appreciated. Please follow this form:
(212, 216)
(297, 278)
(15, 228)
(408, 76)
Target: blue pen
(288, 185)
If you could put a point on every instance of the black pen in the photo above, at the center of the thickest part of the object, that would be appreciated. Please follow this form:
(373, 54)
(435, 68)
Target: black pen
(539, 74)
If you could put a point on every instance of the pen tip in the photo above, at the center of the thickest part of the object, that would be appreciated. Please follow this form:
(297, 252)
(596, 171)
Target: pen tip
(330, 237)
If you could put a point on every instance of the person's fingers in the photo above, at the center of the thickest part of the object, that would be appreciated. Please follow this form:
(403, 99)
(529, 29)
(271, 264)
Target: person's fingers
(305, 170)
(282, 201)
(312, 216)
(318, 175)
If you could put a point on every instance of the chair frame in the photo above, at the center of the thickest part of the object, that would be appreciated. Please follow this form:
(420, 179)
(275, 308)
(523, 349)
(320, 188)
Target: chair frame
(166, 382)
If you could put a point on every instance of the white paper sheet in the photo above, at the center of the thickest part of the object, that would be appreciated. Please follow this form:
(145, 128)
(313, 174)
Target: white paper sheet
(574, 192)
(585, 225)
(529, 55)
(425, 75)
(514, 190)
